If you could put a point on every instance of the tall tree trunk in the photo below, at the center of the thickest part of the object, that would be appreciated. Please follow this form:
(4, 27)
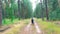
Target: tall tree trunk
(6, 3)
(47, 17)
(0, 13)
(19, 9)
(42, 14)
(59, 2)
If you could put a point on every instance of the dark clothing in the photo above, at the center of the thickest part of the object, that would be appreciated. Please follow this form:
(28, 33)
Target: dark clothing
(32, 21)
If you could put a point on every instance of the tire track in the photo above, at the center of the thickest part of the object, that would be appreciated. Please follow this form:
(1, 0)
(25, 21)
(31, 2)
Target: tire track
(32, 29)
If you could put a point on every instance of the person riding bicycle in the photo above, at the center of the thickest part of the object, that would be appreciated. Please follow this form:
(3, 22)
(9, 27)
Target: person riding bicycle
(32, 21)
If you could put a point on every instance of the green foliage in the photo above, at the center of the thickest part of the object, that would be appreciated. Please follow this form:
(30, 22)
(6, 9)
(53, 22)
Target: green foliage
(54, 11)
(8, 21)
(38, 11)
(26, 9)
(10, 9)
(55, 14)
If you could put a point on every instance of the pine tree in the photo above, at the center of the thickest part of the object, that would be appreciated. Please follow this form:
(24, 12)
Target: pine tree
(0, 13)
(46, 5)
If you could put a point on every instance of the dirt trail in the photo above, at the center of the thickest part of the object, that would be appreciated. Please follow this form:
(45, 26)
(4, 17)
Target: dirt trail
(31, 29)
(27, 29)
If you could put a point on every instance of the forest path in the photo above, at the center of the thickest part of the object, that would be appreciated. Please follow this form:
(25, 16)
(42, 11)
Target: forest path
(31, 29)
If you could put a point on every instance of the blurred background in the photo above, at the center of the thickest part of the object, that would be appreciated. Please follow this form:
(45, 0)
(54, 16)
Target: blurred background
(45, 12)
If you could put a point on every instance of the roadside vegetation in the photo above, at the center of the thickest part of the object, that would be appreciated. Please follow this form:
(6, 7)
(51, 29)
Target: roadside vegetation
(16, 28)
(49, 27)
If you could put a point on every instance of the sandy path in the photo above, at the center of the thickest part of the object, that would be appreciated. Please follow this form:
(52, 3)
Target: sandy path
(31, 29)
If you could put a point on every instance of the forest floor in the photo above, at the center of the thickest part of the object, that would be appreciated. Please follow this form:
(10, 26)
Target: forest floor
(31, 29)
(39, 27)
(15, 28)
(24, 27)
(49, 27)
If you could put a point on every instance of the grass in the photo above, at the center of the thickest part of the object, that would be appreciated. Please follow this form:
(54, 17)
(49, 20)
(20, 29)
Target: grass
(8, 21)
(48, 27)
(17, 27)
